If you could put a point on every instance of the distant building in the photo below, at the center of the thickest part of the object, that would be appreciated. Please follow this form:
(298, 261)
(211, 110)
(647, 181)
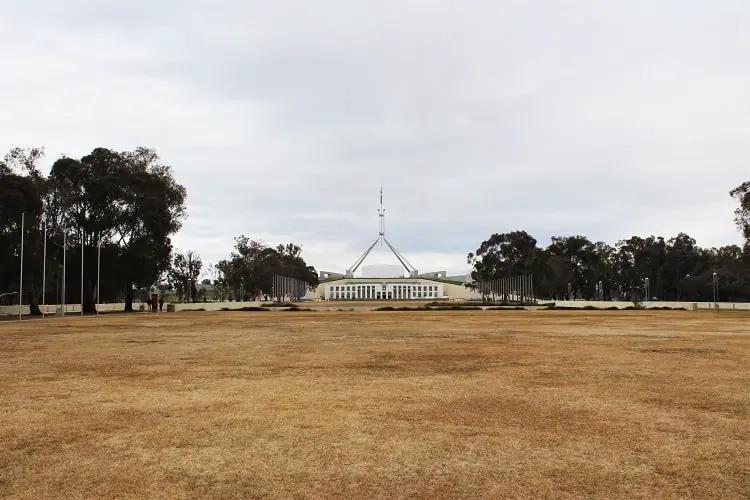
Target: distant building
(405, 288)
(390, 282)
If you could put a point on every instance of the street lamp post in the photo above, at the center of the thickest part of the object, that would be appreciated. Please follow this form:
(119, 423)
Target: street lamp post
(648, 291)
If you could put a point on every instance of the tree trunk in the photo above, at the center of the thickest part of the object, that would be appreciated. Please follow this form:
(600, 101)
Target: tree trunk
(34, 304)
(88, 299)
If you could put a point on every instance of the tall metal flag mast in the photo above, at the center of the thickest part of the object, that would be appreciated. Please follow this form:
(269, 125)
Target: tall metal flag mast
(381, 219)
(65, 260)
(83, 237)
(44, 271)
(382, 239)
(20, 279)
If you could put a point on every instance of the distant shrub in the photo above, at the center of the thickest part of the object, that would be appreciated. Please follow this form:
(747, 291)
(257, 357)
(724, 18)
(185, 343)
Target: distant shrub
(430, 308)
(590, 308)
(509, 308)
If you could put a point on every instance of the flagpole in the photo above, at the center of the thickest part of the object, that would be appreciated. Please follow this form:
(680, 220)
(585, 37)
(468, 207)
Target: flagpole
(98, 273)
(20, 279)
(44, 271)
(65, 260)
(83, 233)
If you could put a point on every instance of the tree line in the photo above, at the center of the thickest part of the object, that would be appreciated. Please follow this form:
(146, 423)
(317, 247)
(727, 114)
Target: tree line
(248, 273)
(122, 208)
(571, 267)
(113, 213)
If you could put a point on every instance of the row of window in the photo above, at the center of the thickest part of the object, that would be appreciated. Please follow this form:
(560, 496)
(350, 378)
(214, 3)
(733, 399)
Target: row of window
(418, 288)
(381, 292)
(384, 295)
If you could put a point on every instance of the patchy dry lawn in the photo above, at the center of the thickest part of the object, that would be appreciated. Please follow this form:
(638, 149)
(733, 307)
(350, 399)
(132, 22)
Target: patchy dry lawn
(371, 404)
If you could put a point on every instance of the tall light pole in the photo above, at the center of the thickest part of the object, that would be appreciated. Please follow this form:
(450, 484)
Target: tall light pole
(648, 291)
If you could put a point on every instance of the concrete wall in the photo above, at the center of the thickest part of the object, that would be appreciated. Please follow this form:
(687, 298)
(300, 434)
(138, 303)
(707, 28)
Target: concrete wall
(744, 306)
(51, 309)
(216, 306)
(76, 308)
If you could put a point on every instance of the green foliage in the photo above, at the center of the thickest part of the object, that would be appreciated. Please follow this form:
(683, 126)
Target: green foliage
(429, 308)
(742, 214)
(252, 266)
(183, 273)
(245, 308)
(126, 201)
(298, 309)
(571, 267)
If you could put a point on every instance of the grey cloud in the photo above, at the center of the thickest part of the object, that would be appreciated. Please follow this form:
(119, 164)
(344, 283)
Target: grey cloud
(555, 117)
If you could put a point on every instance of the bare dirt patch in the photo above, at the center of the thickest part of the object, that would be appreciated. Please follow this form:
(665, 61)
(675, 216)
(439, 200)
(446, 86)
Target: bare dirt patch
(358, 404)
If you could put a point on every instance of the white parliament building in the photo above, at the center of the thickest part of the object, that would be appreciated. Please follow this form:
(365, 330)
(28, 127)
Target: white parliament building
(390, 282)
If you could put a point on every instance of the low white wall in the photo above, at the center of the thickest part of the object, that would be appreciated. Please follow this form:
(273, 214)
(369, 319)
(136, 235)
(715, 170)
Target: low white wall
(51, 309)
(744, 306)
(216, 306)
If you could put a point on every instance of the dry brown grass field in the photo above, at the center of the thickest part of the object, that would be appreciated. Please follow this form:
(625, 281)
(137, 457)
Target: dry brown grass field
(465, 404)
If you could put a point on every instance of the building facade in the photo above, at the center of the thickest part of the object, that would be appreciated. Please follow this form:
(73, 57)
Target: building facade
(407, 288)
(367, 289)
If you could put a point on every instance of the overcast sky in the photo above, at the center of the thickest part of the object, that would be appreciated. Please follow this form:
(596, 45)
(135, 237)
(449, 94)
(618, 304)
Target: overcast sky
(283, 118)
